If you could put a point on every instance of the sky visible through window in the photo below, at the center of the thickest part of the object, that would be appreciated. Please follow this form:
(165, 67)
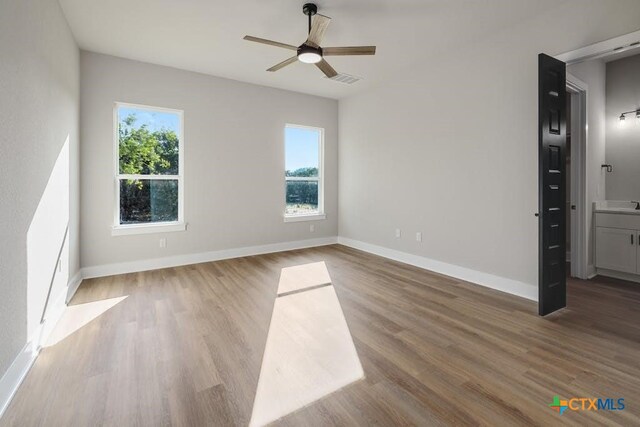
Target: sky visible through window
(155, 120)
(301, 148)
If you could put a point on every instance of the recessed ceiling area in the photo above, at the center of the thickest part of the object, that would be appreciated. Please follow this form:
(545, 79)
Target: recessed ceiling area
(206, 35)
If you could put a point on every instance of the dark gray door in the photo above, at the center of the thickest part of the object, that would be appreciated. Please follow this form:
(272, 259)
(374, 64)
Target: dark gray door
(552, 286)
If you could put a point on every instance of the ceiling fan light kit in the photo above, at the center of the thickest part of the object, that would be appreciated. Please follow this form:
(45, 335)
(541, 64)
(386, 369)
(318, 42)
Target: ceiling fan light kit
(310, 52)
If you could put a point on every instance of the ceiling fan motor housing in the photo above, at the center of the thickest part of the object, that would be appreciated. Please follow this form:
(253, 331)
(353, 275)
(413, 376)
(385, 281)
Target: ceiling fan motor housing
(309, 54)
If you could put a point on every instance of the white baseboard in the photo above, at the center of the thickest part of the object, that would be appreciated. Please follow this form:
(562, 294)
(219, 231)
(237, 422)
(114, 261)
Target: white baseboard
(12, 379)
(179, 260)
(591, 271)
(630, 277)
(18, 370)
(73, 286)
(503, 284)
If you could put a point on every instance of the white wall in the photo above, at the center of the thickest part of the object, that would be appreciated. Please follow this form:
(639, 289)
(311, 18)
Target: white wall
(450, 147)
(39, 87)
(623, 140)
(234, 159)
(593, 73)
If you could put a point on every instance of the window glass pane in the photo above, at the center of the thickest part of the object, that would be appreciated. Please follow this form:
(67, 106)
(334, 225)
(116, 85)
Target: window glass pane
(301, 152)
(148, 201)
(148, 141)
(302, 197)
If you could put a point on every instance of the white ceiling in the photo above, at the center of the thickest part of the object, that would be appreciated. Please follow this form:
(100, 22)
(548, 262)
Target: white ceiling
(206, 35)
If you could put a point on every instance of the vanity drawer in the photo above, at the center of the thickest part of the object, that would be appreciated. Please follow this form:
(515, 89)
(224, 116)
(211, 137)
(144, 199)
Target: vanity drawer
(616, 220)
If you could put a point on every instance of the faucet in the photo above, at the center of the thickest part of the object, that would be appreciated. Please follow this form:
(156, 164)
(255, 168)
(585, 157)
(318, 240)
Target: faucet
(637, 204)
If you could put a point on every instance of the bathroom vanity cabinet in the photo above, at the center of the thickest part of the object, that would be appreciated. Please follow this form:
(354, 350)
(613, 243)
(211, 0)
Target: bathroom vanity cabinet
(618, 242)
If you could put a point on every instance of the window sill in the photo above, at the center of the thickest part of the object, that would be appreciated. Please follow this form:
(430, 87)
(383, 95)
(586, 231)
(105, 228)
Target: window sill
(165, 227)
(299, 218)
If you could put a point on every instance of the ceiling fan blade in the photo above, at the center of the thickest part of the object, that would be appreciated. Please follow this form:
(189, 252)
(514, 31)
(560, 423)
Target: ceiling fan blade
(349, 50)
(318, 27)
(326, 68)
(283, 63)
(270, 42)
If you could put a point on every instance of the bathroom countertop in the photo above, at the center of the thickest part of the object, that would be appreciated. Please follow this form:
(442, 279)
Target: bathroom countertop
(624, 207)
(623, 211)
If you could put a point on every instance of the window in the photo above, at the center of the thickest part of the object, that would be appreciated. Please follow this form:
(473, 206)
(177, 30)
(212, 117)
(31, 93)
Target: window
(149, 169)
(303, 173)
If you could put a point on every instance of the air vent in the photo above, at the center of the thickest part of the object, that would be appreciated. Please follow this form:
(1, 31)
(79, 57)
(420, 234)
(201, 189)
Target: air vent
(345, 78)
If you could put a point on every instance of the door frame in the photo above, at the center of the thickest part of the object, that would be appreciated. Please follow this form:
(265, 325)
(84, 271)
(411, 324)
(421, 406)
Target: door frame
(577, 89)
(602, 49)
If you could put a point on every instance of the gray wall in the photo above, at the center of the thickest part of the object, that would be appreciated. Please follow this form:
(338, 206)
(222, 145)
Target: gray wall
(623, 142)
(39, 87)
(450, 147)
(234, 159)
(593, 73)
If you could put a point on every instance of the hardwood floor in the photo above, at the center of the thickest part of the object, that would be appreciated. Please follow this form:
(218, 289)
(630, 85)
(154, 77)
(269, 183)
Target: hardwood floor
(185, 348)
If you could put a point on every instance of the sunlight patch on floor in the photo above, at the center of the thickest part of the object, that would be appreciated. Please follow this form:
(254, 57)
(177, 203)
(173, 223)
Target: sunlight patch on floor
(309, 351)
(77, 316)
(302, 277)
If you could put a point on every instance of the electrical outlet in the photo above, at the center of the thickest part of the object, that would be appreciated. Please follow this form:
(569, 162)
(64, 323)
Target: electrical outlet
(398, 233)
(418, 237)
(312, 228)
(163, 242)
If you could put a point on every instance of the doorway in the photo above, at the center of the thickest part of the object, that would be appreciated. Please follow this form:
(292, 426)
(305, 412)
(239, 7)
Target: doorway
(576, 201)
(564, 208)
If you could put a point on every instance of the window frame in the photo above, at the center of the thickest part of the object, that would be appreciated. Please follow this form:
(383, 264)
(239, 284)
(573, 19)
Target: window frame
(119, 229)
(320, 214)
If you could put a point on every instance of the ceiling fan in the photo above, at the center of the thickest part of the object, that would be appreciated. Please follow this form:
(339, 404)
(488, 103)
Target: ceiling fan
(310, 51)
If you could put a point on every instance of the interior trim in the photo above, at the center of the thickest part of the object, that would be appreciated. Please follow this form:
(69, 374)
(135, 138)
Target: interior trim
(600, 50)
(179, 260)
(631, 277)
(73, 286)
(502, 284)
(16, 373)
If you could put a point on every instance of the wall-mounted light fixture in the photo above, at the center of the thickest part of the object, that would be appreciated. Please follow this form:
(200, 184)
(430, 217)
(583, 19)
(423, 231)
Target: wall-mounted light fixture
(636, 112)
